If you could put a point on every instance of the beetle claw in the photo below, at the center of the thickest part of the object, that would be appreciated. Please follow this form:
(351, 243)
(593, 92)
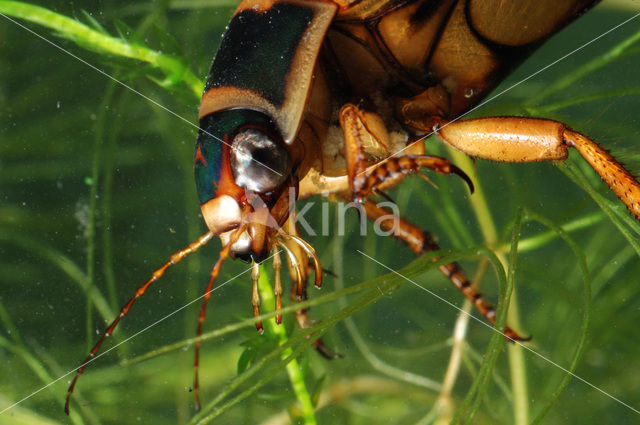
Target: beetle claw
(464, 176)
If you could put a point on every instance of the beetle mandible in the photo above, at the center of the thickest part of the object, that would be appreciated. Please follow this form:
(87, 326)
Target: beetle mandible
(288, 112)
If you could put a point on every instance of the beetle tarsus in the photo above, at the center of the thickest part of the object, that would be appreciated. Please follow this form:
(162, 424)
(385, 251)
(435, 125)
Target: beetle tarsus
(513, 337)
(464, 176)
(324, 351)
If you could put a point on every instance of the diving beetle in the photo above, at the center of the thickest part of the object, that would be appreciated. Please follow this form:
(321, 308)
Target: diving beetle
(309, 97)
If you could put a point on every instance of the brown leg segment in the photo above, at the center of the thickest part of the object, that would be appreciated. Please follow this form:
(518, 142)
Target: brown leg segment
(255, 294)
(394, 169)
(420, 242)
(277, 286)
(300, 254)
(621, 181)
(175, 258)
(516, 139)
(357, 128)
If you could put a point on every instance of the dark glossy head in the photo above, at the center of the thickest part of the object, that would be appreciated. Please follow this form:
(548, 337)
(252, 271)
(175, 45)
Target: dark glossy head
(243, 173)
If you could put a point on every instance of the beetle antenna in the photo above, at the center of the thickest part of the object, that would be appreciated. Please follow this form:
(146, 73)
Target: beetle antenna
(224, 254)
(174, 259)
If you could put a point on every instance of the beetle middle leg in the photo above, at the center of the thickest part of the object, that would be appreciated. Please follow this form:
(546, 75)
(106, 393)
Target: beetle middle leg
(359, 131)
(420, 242)
(364, 137)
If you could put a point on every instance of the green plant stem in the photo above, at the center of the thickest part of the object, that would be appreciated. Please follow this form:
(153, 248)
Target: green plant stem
(40, 370)
(62, 262)
(616, 213)
(443, 408)
(580, 100)
(296, 376)
(89, 38)
(375, 362)
(586, 315)
(373, 290)
(541, 239)
(474, 397)
(90, 232)
(501, 317)
(586, 69)
(517, 364)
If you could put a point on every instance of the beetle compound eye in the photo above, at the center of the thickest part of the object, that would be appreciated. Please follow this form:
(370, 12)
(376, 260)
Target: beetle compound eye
(258, 163)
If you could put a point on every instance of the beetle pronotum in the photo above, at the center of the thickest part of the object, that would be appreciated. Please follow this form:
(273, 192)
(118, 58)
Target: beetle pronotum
(353, 115)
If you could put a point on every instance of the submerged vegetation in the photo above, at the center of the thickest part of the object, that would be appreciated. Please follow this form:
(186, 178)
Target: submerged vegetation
(97, 191)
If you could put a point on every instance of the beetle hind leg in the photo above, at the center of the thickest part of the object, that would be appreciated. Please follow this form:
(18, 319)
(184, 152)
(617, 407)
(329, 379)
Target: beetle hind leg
(517, 139)
(621, 182)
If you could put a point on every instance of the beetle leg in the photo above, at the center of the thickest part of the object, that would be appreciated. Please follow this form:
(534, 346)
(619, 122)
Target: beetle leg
(514, 139)
(297, 288)
(299, 294)
(420, 242)
(311, 254)
(224, 254)
(388, 173)
(255, 294)
(300, 254)
(358, 129)
(366, 137)
(175, 258)
(277, 286)
(302, 317)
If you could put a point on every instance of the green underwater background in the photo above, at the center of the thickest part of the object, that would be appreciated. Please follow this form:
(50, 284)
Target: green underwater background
(97, 191)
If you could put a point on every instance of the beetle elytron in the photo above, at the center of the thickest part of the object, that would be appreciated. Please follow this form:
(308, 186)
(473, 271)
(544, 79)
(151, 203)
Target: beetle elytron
(334, 96)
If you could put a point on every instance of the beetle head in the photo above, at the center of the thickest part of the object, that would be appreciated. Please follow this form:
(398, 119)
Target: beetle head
(244, 174)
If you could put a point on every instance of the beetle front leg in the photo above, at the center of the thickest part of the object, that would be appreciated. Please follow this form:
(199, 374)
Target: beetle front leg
(299, 256)
(514, 139)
